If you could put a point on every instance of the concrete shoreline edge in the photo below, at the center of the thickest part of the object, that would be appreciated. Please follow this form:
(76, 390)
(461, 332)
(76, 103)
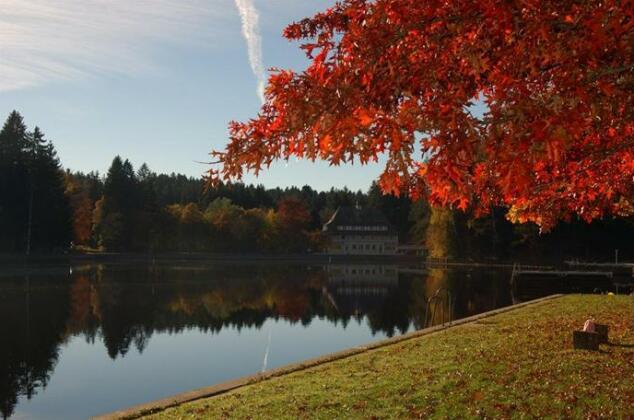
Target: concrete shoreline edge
(224, 387)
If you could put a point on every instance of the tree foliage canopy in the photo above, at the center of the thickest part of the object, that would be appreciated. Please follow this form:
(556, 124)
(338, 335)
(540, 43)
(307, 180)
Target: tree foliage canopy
(401, 77)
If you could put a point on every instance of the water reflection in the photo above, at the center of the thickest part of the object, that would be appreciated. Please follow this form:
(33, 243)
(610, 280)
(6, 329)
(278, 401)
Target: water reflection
(122, 308)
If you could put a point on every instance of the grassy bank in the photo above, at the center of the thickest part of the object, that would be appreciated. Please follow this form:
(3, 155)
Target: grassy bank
(517, 362)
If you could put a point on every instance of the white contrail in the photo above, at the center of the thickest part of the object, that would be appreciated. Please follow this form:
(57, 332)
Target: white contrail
(251, 32)
(265, 362)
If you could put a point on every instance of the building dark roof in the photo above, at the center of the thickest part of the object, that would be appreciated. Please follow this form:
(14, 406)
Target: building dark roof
(359, 221)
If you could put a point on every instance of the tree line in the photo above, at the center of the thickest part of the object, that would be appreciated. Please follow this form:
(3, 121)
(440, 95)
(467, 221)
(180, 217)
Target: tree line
(45, 208)
(128, 210)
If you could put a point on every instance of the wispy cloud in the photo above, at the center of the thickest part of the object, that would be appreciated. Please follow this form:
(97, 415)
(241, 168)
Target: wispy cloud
(251, 32)
(47, 40)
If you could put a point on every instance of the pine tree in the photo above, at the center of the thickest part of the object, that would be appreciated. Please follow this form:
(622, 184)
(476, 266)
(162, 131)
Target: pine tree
(51, 224)
(34, 211)
(13, 184)
(12, 138)
(118, 211)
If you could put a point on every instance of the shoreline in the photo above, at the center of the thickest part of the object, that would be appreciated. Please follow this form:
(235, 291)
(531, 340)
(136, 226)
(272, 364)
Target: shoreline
(17, 265)
(11, 265)
(189, 256)
(163, 404)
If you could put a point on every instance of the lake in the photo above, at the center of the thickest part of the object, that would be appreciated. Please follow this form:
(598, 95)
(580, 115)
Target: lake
(91, 339)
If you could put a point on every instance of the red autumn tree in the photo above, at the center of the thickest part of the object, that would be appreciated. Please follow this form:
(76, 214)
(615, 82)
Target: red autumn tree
(293, 214)
(82, 208)
(293, 218)
(400, 77)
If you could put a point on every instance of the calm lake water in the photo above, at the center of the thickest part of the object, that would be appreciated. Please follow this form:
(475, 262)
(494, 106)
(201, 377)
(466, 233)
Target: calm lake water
(94, 339)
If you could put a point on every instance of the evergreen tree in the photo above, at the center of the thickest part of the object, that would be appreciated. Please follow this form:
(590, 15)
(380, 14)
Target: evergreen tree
(396, 209)
(419, 216)
(126, 216)
(49, 226)
(114, 210)
(34, 211)
(13, 138)
(146, 226)
(13, 184)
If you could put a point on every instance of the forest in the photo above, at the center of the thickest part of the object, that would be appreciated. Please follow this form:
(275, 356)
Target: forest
(45, 208)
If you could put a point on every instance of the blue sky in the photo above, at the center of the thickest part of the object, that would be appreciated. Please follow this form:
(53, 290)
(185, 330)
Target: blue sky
(155, 81)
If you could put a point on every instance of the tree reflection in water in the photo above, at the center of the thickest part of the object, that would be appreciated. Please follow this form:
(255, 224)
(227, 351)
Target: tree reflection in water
(122, 307)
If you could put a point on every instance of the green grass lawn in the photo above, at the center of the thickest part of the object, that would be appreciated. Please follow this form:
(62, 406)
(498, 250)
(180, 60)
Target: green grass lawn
(516, 364)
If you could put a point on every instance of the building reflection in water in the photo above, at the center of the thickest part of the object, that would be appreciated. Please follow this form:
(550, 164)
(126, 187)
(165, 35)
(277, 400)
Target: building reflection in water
(359, 288)
(372, 291)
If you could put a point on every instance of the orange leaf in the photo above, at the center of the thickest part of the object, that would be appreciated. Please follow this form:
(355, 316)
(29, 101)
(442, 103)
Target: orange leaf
(325, 142)
(364, 117)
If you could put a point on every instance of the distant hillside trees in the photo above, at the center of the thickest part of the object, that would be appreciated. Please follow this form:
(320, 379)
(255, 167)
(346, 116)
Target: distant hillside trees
(132, 215)
(35, 215)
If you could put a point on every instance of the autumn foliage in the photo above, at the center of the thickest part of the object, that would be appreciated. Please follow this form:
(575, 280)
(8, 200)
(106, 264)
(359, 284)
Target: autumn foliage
(555, 79)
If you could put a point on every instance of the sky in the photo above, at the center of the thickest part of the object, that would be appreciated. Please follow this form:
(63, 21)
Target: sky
(154, 81)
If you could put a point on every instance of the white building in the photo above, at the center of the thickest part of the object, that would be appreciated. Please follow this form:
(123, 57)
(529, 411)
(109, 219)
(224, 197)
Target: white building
(357, 231)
